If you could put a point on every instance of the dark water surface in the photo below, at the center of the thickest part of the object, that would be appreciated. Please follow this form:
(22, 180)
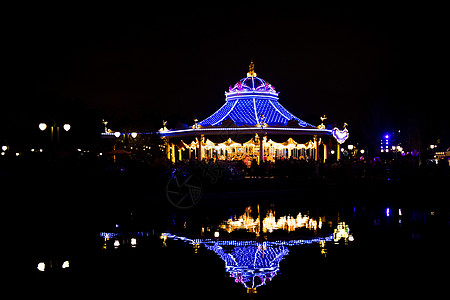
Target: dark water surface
(123, 240)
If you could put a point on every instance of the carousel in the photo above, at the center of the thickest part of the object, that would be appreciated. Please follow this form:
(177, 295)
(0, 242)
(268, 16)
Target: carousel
(251, 125)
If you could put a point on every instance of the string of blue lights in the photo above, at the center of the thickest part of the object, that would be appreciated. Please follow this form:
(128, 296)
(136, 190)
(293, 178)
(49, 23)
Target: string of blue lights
(249, 100)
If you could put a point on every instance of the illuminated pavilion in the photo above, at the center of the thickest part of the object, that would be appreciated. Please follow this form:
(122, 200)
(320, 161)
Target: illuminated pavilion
(251, 125)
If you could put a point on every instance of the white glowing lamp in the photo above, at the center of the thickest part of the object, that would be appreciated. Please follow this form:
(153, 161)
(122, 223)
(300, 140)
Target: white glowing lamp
(65, 264)
(41, 266)
(117, 134)
(134, 135)
(42, 126)
(66, 127)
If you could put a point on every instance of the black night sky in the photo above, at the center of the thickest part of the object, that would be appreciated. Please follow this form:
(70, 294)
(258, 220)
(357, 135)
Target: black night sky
(376, 67)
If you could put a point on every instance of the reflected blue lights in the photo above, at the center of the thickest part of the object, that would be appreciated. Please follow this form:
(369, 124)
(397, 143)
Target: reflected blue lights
(251, 263)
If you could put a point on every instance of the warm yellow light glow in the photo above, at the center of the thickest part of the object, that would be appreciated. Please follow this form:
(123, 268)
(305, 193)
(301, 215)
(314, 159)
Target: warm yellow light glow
(249, 150)
(270, 223)
(163, 237)
(251, 70)
(342, 232)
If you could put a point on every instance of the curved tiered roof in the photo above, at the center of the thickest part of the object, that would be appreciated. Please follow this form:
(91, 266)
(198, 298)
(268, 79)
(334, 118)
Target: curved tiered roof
(252, 101)
(251, 105)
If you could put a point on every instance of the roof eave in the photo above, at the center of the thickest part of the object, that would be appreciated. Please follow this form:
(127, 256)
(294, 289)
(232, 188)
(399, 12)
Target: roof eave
(246, 130)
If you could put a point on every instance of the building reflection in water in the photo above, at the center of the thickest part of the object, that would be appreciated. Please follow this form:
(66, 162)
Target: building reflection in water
(269, 222)
(252, 262)
(255, 262)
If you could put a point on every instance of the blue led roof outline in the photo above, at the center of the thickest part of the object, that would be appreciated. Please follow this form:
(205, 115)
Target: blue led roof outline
(256, 113)
(247, 101)
(226, 114)
(278, 110)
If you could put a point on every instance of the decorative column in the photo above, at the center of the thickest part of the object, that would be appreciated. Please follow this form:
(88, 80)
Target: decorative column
(338, 151)
(167, 144)
(200, 152)
(173, 153)
(316, 150)
(261, 149)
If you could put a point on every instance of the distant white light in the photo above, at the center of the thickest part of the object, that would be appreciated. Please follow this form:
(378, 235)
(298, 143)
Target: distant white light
(66, 127)
(216, 234)
(41, 266)
(65, 264)
(134, 135)
(42, 126)
(116, 243)
(4, 148)
(133, 242)
(117, 134)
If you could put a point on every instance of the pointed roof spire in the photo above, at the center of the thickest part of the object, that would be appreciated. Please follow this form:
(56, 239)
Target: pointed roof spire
(251, 70)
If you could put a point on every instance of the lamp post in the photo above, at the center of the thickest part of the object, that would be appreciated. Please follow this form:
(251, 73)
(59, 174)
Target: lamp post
(43, 127)
(53, 127)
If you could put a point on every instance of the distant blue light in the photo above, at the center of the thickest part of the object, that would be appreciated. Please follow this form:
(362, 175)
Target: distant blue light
(388, 212)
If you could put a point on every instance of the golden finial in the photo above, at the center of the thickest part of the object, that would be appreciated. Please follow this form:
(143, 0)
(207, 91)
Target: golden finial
(105, 123)
(251, 70)
(322, 126)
